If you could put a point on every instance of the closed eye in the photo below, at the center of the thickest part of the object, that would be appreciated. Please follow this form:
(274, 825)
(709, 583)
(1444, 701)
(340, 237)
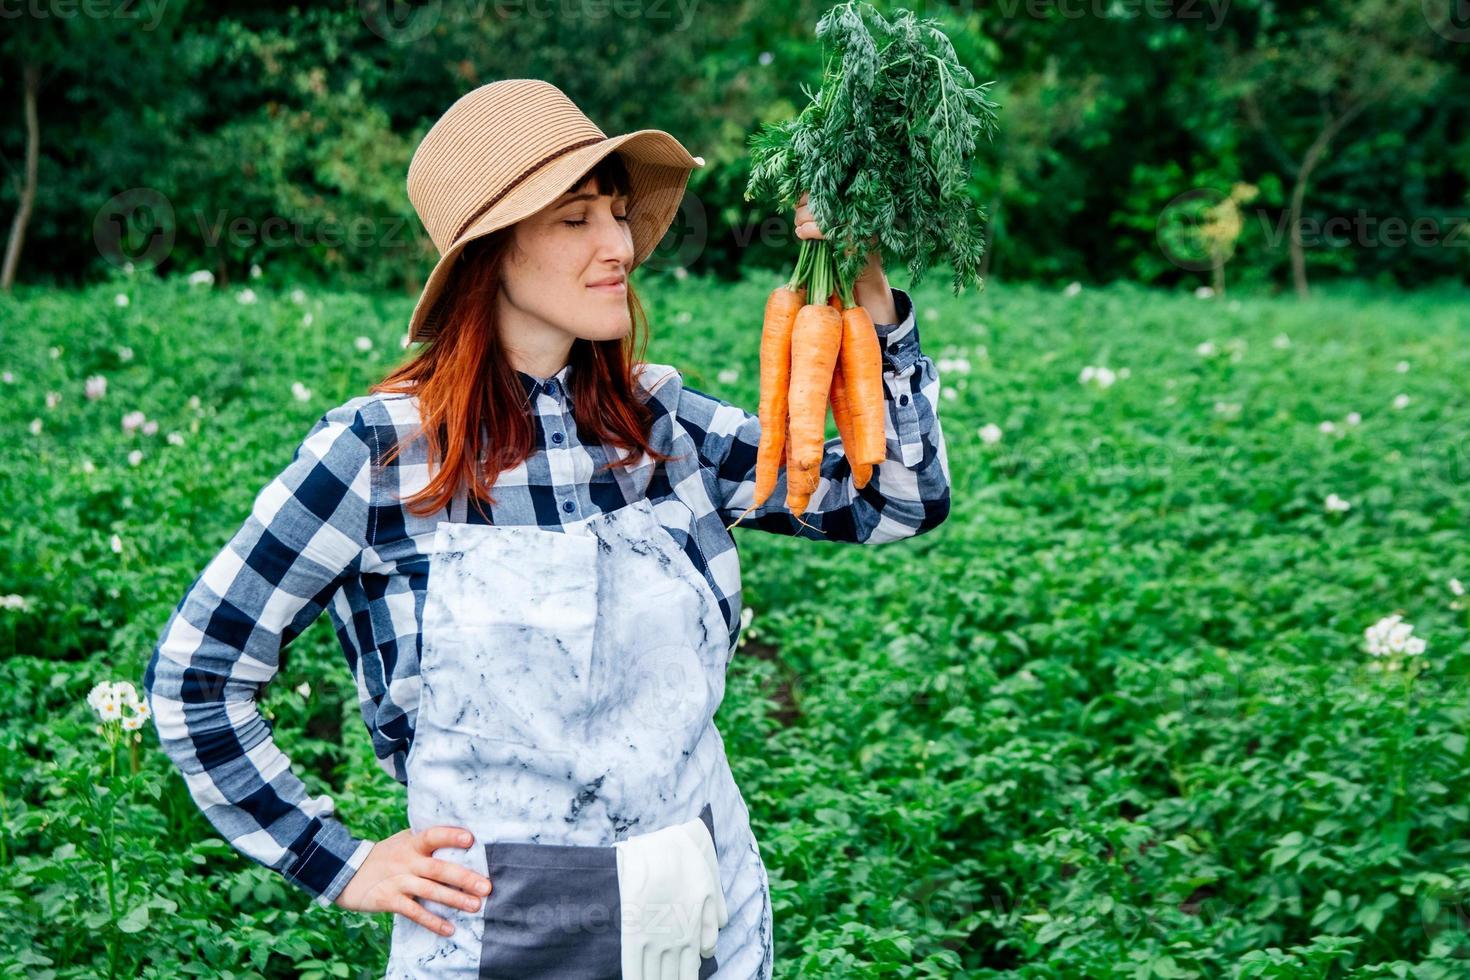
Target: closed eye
(578, 224)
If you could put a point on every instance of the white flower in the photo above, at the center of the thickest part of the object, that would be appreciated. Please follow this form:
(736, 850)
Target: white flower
(100, 694)
(681, 273)
(109, 700)
(8, 378)
(254, 271)
(948, 393)
(1336, 503)
(88, 466)
(1456, 587)
(363, 343)
(126, 693)
(135, 457)
(1086, 374)
(128, 268)
(96, 387)
(1227, 408)
(1073, 288)
(990, 433)
(306, 319)
(132, 723)
(201, 278)
(1353, 418)
(35, 427)
(1281, 341)
(729, 376)
(298, 296)
(1402, 367)
(132, 420)
(175, 438)
(53, 398)
(246, 295)
(1101, 376)
(121, 299)
(1205, 349)
(115, 543)
(766, 58)
(1327, 425)
(1400, 401)
(150, 427)
(124, 353)
(1204, 292)
(304, 689)
(300, 392)
(1391, 635)
(55, 353)
(194, 402)
(13, 601)
(683, 316)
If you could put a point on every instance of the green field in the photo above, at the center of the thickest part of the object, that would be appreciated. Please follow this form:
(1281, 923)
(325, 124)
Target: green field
(1115, 717)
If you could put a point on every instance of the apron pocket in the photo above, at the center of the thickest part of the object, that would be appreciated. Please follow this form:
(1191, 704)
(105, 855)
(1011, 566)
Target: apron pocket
(510, 618)
(554, 912)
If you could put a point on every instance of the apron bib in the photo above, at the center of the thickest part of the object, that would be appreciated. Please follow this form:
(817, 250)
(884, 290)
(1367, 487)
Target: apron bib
(569, 681)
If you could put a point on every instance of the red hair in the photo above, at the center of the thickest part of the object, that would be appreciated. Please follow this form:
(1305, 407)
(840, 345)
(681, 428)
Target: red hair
(469, 394)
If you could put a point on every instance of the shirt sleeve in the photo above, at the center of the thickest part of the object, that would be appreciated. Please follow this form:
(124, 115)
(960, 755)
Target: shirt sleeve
(304, 536)
(908, 492)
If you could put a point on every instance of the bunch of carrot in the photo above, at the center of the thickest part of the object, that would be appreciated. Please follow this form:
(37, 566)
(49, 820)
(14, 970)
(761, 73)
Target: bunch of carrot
(813, 355)
(884, 149)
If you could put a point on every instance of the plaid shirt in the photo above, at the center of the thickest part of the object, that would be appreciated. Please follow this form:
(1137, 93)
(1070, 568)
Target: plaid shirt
(329, 533)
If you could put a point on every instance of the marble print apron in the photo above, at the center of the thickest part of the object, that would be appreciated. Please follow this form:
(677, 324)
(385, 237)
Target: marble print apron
(569, 685)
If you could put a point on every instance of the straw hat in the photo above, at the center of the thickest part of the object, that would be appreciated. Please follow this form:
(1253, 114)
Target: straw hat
(508, 149)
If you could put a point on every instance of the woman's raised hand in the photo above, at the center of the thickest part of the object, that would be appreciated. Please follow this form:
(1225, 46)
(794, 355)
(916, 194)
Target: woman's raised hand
(401, 867)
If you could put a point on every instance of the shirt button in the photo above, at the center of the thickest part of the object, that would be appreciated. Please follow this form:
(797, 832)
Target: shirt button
(903, 399)
(568, 506)
(556, 437)
(551, 388)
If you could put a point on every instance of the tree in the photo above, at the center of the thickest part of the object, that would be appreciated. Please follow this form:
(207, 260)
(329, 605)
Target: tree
(1303, 85)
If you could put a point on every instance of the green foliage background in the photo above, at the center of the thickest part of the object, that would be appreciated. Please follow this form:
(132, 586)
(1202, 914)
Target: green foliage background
(308, 114)
(1113, 718)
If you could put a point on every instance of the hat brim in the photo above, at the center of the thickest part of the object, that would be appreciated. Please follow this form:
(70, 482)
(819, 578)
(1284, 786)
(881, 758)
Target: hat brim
(658, 173)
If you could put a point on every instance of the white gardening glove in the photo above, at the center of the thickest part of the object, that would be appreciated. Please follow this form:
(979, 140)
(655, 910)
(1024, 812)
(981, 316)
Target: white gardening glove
(671, 900)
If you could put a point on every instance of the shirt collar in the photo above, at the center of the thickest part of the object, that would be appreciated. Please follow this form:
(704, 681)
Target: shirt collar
(533, 384)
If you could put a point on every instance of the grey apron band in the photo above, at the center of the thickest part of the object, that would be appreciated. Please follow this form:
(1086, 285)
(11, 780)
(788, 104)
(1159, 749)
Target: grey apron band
(554, 912)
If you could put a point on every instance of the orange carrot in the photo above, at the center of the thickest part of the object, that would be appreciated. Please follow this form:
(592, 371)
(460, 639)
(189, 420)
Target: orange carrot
(862, 366)
(841, 412)
(780, 318)
(815, 343)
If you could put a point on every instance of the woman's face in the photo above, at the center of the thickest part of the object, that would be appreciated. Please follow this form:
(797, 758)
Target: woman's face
(548, 297)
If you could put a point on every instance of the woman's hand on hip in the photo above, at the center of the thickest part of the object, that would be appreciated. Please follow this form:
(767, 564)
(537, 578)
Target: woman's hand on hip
(402, 867)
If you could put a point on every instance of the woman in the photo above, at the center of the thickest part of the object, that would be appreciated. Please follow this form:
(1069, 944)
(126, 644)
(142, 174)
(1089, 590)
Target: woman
(539, 622)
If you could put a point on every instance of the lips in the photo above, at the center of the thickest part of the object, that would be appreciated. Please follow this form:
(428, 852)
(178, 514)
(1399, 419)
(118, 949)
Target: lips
(610, 285)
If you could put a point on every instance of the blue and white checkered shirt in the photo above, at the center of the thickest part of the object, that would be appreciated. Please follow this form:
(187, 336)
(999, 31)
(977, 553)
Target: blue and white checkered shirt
(330, 533)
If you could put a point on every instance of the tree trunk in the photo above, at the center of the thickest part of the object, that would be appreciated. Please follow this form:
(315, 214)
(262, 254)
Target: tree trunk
(31, 72)
(1310, 160)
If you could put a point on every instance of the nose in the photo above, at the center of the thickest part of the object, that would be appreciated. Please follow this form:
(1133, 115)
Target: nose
(615, 244)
